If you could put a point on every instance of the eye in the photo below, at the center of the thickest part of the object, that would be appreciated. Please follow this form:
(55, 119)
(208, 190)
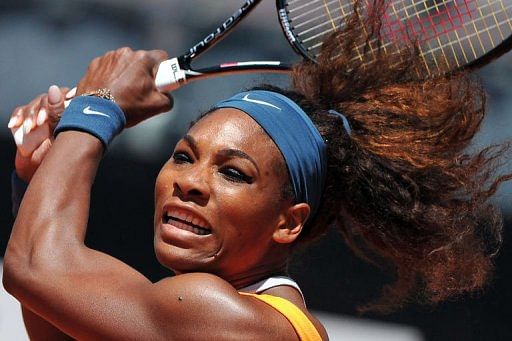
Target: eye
(181, 157)
(236, 175)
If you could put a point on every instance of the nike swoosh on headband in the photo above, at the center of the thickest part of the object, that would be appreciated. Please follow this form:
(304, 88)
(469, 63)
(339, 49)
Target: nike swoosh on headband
(247, 99)
(88, 111)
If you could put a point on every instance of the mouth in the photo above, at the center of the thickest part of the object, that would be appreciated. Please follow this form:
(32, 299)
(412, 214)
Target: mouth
(187, 221)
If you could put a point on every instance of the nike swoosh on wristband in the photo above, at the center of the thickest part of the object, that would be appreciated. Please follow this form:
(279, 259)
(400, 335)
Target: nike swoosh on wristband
(87, 111)
(257, 101)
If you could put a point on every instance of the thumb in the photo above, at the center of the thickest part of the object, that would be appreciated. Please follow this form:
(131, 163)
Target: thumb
(54, 95)
(55, 105)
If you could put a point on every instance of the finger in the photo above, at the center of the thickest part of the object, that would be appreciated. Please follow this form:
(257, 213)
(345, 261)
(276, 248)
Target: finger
(29, 113)
(54, 95)
(30, 119)
(55, 105)
(71, 93)
(20, 113)
(157, 56)
(41, 151)
(16, 118)
(42, 115)
(52, 104)
(167, 101)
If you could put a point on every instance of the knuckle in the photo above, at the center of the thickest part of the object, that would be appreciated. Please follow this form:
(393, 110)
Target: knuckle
(161, 54)
(109, 54)
(94, 62)
(124, 50)
(17, 111)
(43, 100)
(140, 54)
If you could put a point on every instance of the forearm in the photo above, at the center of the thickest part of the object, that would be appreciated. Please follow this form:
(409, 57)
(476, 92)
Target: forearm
(40, 329)
(47, 266)
(52, 219)
(37, 327)
(18, 189)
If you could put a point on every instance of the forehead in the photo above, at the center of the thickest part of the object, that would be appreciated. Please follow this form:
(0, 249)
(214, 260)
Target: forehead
(232, 128)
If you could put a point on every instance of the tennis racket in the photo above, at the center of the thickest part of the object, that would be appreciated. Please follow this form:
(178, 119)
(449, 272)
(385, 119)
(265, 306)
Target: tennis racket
(451, 34)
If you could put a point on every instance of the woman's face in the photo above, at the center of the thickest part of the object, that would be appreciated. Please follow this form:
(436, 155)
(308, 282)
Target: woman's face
(218, 198)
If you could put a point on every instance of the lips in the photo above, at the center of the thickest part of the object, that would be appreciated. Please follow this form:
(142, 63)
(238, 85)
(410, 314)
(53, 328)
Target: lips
(186, 220)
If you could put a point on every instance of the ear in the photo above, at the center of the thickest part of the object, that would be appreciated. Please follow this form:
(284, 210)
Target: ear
(291, 223)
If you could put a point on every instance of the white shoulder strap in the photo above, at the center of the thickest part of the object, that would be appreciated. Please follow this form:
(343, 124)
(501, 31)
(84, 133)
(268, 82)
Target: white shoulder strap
(271, 282)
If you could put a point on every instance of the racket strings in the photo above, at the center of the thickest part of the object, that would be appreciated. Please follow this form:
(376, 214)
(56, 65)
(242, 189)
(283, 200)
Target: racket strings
(484, 29)
(449, 32)
(347, 10)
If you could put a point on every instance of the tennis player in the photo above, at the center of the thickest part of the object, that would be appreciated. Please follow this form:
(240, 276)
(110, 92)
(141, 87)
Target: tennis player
(377, 152)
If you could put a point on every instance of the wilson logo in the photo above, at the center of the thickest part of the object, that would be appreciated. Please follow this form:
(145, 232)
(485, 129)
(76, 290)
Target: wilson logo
(283, 18)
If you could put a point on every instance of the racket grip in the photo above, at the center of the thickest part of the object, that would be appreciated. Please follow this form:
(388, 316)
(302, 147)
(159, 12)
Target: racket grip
(169, 75)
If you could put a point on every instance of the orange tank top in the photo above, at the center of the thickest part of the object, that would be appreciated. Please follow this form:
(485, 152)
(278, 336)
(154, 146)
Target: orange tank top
(302, 325)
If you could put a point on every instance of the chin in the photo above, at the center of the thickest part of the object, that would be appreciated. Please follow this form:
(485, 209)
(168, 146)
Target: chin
(181, 260)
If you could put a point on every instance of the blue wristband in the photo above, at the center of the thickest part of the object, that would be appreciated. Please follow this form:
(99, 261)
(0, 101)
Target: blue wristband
(99, 117)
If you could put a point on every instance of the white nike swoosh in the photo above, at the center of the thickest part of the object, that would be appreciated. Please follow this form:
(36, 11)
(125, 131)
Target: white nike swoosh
(88, 111)
(257, 101)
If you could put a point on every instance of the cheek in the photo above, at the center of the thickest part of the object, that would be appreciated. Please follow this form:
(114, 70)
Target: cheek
(163, 187)
(249, 212)
(163, 180)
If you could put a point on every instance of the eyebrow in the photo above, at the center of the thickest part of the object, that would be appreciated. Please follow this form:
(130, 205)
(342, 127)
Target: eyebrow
(229, 152)
(191, 142)
(238, 153)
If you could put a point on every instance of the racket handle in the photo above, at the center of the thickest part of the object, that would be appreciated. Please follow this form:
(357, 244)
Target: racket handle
(169, 75)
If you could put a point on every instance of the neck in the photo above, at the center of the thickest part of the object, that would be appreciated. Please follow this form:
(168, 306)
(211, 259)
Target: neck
(255, 275)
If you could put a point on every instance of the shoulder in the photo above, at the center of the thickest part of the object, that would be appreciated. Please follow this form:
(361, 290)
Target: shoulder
(200, 305)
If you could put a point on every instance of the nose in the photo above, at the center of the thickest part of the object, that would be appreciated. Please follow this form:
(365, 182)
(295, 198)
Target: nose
(192, 184)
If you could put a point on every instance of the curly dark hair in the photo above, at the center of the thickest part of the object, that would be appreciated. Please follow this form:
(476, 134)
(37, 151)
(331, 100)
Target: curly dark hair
(403, 189)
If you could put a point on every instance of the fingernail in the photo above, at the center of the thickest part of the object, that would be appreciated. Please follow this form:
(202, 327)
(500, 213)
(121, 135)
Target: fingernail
(41, 117)
(54, 95)
(18, 136)
(27, 125)
(71, 93)
(12, 122)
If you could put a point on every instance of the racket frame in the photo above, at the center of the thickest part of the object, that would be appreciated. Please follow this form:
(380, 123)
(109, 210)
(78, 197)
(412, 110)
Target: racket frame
(177, 71)
(286, 26)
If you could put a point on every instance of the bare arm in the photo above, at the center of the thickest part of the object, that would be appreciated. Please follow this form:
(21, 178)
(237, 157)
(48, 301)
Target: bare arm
(40, 329)
(38, 237)
(42, 110)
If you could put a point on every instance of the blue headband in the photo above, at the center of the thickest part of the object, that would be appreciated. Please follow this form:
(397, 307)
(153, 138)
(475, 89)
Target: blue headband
(297, 138)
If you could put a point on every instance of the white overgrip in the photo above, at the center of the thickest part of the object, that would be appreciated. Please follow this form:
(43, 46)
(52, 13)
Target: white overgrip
(169, 76)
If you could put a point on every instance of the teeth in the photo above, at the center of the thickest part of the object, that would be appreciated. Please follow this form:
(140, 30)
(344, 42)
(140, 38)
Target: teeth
(184, 220)
(186, 216)
(195, 221)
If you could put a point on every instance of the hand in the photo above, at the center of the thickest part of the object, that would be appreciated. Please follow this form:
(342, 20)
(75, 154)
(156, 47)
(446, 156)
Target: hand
(43, 110)
(130, 76)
